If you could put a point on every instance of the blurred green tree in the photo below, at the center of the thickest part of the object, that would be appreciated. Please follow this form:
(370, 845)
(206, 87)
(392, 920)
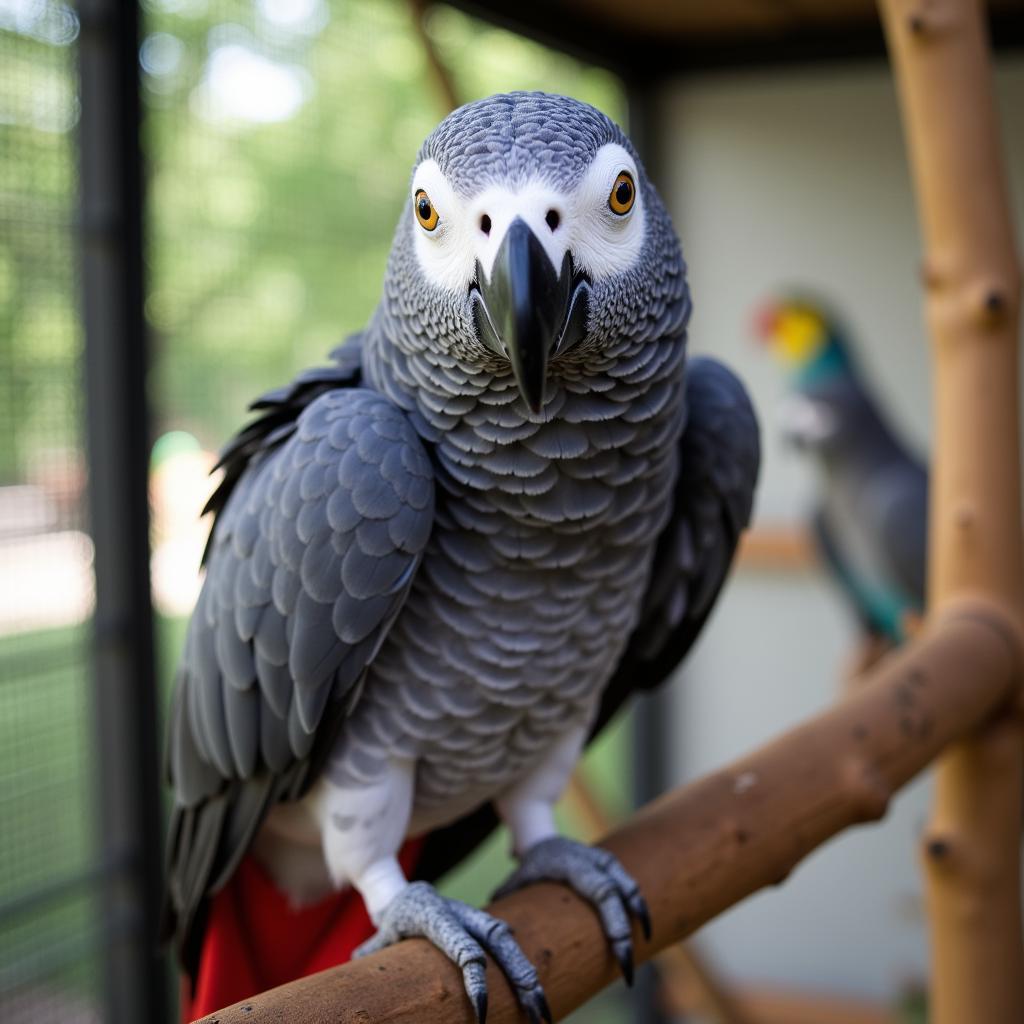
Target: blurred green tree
(280, 137)
(39, 335)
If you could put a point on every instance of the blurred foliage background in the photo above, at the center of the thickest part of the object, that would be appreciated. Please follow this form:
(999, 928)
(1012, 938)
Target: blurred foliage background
(279, 137)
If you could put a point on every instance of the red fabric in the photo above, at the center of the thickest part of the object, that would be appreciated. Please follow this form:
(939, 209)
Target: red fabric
(255, 940)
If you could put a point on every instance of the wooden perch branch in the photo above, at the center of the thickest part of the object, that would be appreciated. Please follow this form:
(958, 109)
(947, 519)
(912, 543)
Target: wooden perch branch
(704, 847)
(680, 965)
(972, 278)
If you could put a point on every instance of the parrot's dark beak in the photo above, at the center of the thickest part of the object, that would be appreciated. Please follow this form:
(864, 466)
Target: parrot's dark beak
(527, 311)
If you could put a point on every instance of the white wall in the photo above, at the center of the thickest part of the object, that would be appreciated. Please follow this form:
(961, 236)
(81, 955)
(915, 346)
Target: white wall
(776, 179)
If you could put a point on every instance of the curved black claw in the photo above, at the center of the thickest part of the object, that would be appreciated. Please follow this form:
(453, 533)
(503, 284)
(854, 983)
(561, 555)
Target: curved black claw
(463, 934)
(598, 877)
(480, 1005)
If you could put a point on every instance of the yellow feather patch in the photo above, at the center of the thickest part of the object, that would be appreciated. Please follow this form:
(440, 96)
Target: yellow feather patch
(799, 335)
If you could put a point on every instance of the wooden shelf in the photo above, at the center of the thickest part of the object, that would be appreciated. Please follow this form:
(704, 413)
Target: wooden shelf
(777, 548)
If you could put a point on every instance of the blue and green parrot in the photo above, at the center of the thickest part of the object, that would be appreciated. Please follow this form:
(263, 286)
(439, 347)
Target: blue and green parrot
(870, 522)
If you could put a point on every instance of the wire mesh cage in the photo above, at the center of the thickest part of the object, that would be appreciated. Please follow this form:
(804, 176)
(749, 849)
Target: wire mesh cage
(49, 867)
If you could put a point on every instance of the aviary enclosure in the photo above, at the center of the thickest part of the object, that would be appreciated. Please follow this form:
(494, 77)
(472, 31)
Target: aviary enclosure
(951, 697)
(952, 694)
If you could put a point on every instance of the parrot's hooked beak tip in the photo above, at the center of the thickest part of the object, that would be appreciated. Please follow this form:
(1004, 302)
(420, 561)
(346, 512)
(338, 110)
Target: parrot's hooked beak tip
(528, 312)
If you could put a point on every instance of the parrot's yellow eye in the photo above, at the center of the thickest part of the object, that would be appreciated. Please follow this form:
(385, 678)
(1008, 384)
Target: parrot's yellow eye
(425, 212)
(623, 194)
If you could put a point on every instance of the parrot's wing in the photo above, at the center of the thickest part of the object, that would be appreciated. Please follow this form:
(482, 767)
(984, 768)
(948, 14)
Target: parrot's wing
(312, 556)
(719, 460)
(838, 565)
(904, 518)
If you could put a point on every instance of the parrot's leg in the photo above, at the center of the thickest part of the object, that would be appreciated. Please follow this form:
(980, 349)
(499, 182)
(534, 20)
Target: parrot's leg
(462, 933)
(544, 856)
(363, 826)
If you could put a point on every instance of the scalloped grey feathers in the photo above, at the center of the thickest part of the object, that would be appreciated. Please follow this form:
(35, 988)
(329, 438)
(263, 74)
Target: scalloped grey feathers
(311, 561)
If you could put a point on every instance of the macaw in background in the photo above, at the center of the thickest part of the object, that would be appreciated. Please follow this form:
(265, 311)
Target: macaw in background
(440, 564)
(870, 522)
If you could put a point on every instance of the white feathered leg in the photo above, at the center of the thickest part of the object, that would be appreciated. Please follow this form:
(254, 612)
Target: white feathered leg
(362, 829)
(544, 856)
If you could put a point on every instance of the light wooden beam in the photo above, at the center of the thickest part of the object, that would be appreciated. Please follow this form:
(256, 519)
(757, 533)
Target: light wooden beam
(940, 54)
(777, 549)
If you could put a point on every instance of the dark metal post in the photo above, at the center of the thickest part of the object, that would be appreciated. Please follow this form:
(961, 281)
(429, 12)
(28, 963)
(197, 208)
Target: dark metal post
(651, 712)
(118, 449)
(650, 779)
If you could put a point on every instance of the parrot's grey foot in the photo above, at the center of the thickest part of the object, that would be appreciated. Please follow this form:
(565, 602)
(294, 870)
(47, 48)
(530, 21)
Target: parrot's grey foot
(463, 934)
(598, 877)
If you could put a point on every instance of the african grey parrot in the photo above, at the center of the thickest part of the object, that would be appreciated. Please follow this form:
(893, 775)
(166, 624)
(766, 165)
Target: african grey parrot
(441, 563)
(871, 519)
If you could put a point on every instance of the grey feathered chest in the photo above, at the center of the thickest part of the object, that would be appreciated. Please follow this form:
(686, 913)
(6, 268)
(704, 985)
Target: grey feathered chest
(532, 580)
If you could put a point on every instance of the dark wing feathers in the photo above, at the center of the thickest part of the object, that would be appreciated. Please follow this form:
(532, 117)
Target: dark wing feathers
(291, 603)
(719, 461)
(831, 552)
(904, 527)
(321, 523)
(280, 411)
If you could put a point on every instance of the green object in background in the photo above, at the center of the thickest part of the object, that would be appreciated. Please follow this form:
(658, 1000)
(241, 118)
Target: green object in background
(174, 442)
(913, 1008)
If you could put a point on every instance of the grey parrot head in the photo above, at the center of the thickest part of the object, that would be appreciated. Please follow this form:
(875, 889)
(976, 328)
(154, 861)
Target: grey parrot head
(532, 243)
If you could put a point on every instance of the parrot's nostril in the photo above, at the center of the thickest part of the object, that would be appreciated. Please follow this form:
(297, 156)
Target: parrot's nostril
(552, 219)
(485, 224)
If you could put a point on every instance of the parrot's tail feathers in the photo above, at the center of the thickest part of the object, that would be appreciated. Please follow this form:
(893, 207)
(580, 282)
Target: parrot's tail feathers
(249, 807)
(195, 834)
(206, 821)
(208, 841)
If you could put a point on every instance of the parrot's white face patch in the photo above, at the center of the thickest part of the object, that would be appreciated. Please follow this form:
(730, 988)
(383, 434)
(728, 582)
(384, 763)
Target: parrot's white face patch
(603, 243)
(805, 421)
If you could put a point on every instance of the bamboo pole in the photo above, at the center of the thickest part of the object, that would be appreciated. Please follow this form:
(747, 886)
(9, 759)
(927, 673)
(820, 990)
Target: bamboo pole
(972, 278)
(702, 848)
